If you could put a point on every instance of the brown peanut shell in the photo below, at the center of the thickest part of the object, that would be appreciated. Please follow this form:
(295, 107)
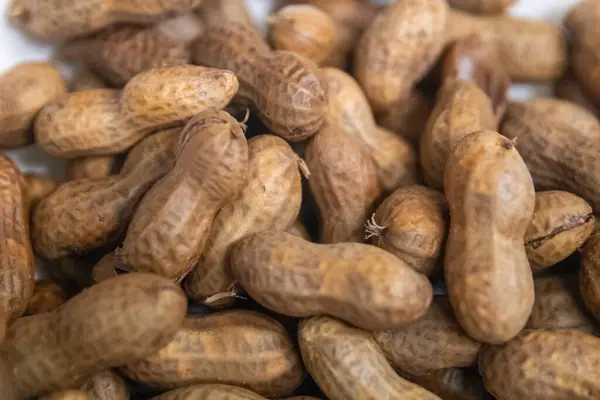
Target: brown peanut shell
(48, 296)
(481, 6)
(93, 167)
(220, 12)
(572, 89)
(69, 394)
(298, 229)
(408, 118)
(210, 392)
(38, 187)
(84, 79)
(451, 383)
(105, 269)
(106, 385)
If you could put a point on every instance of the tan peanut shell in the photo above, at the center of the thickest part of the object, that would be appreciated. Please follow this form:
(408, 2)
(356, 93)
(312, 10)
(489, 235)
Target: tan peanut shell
(358, 283)
(286, 90)
(59, 19)
(105, 269)
(481, 6)
(559, 142)
(69, 394)
(120, 53)
(93, 167)
(543, 364)
(109, 121)
(517, 43)
(210, 392)
(398, 48)
(491, 199)
(298, 229)
(16, 257)
(24, 90)
(38, 187)
(110, 324)
(269, 200)
(395, 159)
(589, 275)
(304, 29)
(101, 207)
(48, 296)
(561, 223)
(347, 364)
(451, 383)
(572, 89)
(434, 342)
(408, 117)
(559, 305)
(220, 12)
(411, 224)
(106, 385)
(170, 228)
(241, 348)
(84, 79)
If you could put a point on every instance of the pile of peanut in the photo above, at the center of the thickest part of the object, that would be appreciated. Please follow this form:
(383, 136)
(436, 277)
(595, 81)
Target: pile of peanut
(350, 208)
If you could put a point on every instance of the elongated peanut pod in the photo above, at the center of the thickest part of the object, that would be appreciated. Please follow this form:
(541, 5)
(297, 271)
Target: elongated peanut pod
(210, 392)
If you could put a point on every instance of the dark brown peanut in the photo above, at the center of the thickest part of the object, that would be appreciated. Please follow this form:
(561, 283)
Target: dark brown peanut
(561, 223)
(105, 269)
(110, 324)
(102, 207)
(106, 385)
(170, 228)
(411, 224)
(38, 187)
(451, 383)
(347, 364)
(94, 167)
(491, 198)
(269, 200)
(543, 364)
(570, 88)
(48, 296)
(210, 392)
(358, 283)
(286, 90)
(589, 275)
(72, 273)
(241, 348)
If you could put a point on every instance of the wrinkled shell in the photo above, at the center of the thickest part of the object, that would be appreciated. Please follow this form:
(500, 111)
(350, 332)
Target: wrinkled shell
(106, 385)
(434, 342)
(170, 228)
(543, 364)
(24, 90)
(93, 167)
(269, 200)
(38, 187)
(358, 283)
(451, 383)
(108, 121)
(398, 48)
(408, 118)
(210, 392)
(481, 6)
(110, 324)
(491, 198)
(411, 224)
(347, 364)
(559, 142)
(241, 348)
(102, 207)
(561, 223)
(286, 90)
(48, 296)
(63, 19)
(589, 275)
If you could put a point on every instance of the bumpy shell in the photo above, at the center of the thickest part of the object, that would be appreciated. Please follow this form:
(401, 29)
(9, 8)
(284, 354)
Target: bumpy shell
(106, 385)
(269, 200)
(398, 48)
(559, 142)
(210, 392)
(48, 296)
(241, 348)
(561, 223)
(347, 364)
(543, 364)
(102, 207)
(589, 275)
(491, 198)
(358, 283)
(286, 90)
(107, 325)
(24, 90)
(170, 228)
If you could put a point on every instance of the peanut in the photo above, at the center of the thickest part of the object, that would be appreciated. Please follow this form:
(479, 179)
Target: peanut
(491, 198)
(543, 364)
(24, 90)
(347, 364)
(110, 324)
(6, 388)
(298, 229)
(570, 88)
(561, 223)
(481, 6)
(407, 118)
(106, 385)
(517, 43)
(269, 200)
(120, 53)
(559, 141)
(589, 273)
(108, 121)
(184, 28)
(286, 90)
(84, 79)
(60, 19)
(241, 348)
(219, 12)
(559, 305)
(48, 296)
(358, 283)
(451, 383)
(398, 48)
(38, 187)
(105, 268)
(94, 167)
(68, 395)
(171, 226)
(434, 342)
(103, 207)
(411, 224)
(16, 257)
(210, 392)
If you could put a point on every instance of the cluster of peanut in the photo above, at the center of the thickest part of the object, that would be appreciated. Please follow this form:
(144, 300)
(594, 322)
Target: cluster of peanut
(303, 192)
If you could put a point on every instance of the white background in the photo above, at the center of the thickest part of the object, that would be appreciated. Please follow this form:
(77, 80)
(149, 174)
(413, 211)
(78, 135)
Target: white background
(15, 48)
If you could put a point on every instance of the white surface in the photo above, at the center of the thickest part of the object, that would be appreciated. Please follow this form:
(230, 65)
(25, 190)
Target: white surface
(15, 48)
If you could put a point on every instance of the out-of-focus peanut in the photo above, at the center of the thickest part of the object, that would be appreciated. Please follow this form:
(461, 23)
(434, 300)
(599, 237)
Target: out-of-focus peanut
(105, 269)
(84, 79)
(408, 117)
(38, 187)
(481, 6)
(221, 12)
(48, 296)
(451, 383)
(570, 88)
(94, 167)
